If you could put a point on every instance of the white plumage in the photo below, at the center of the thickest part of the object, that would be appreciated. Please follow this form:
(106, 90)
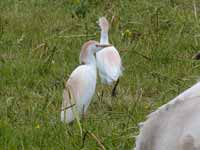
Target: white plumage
(81, 84)
(108, 60)
(109, 65)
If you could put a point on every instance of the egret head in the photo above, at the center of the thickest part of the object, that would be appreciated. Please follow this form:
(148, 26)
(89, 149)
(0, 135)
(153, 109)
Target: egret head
(88, 50)
(103, 24)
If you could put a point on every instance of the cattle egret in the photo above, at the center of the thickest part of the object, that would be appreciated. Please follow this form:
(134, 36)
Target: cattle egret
(175, 125)
(108, 60)
(81, 84)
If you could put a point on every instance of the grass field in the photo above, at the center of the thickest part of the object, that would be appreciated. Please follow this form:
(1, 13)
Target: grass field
(40, 42)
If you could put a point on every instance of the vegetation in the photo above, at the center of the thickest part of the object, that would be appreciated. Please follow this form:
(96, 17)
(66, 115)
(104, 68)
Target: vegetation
(40, 41)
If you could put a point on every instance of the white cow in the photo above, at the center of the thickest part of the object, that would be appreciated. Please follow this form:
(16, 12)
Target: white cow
(175, 125)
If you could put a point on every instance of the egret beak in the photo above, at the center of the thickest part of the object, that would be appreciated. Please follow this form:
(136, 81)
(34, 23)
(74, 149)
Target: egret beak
(103, 45)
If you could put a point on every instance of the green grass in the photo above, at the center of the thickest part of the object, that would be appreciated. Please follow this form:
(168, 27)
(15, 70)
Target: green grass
(156, 39)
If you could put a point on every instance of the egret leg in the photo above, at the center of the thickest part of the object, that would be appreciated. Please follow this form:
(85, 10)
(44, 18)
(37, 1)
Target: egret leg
(114, 93)
(197, 56)
(102, 93)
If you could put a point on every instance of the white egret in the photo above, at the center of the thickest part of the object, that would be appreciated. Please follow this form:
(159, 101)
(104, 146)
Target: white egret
(81, 84)
(108, 60)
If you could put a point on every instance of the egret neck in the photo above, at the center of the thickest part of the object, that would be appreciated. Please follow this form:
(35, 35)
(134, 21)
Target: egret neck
(104, 37)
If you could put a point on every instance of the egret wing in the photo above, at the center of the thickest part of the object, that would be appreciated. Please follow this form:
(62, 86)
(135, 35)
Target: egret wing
(109, 64)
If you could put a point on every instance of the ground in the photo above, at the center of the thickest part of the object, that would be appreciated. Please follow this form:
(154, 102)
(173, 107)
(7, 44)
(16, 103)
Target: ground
(40, 41)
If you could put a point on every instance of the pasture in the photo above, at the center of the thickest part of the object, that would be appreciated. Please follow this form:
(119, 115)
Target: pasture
(40, 41)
